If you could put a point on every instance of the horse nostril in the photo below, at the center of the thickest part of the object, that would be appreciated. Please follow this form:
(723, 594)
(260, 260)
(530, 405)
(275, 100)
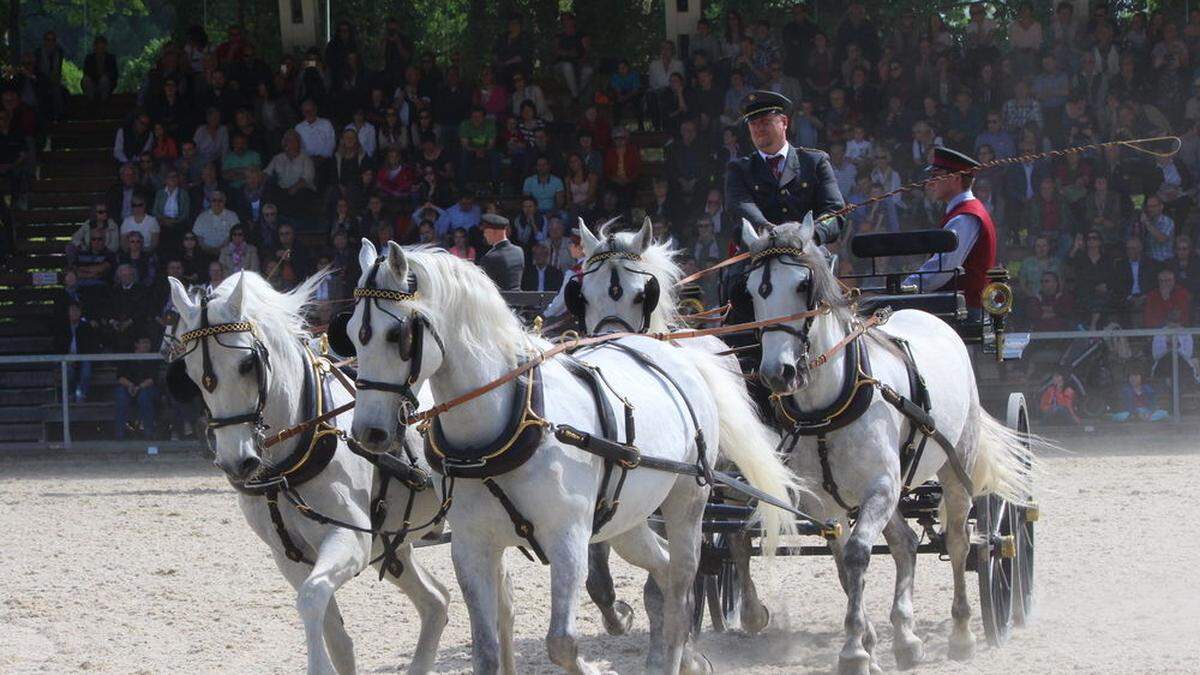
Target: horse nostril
(788, 374)
(248, 466)
(376, 435)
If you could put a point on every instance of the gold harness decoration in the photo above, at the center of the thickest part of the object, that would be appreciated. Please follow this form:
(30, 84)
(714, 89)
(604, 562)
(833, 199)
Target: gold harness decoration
(774, 251)
(608, 255)
(219, 329)
(385, 294)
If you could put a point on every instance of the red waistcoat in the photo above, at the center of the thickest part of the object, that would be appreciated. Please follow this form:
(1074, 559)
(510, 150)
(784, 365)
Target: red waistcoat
(982, 256)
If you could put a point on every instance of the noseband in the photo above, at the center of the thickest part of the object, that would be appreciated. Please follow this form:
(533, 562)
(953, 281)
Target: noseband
(260, 362)
(765, 287)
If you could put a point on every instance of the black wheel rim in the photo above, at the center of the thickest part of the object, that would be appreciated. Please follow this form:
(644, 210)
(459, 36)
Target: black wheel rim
(996, 573)
(1023, 610)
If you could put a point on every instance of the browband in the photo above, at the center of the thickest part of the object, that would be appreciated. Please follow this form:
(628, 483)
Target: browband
(385, 294)
(601, 257)
(774, 251)
(219, 329)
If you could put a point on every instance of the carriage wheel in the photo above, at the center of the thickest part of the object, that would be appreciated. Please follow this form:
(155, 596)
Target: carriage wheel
(995, 564)
(1018, 419)
(717, 586)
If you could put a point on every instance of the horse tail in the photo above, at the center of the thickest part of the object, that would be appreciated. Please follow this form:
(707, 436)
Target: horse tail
(750, 444)
(1004, 463)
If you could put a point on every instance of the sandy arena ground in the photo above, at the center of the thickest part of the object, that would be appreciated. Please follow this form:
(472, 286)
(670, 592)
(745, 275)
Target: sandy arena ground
(145, 565)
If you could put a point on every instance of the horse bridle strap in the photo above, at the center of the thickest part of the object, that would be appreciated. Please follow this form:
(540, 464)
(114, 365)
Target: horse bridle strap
(385, 294)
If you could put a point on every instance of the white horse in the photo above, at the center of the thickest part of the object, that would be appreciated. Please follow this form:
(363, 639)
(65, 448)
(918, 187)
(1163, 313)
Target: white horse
(262, 365)
(474, 339)
(789, 274)
(630, 283)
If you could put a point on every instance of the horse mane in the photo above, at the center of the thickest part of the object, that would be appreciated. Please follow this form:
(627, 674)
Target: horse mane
(280, 317)
(458, 298)
(659, 261)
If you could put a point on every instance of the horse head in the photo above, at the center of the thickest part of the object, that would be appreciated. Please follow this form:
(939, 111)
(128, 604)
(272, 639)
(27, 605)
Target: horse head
(627, 282)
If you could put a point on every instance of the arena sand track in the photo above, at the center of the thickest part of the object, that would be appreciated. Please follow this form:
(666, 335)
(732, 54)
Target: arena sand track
(146, 566)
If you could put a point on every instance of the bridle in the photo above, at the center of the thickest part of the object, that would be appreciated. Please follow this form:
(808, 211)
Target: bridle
(765, 288)
(648, 297)
(408, 333)
(259, 360)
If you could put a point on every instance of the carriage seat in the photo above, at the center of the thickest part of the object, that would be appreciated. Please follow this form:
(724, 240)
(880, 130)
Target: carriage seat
(912, 242)
(948, 305)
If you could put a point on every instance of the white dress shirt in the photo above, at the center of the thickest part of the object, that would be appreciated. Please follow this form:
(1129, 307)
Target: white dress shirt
(317, 138)
(966, 226)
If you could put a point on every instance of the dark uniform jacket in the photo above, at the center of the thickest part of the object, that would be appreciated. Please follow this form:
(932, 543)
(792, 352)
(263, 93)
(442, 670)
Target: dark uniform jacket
(505, 264)
(806, 184)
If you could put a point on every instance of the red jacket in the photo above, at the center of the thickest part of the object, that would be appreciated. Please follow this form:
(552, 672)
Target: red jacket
(983, 254)
(1157, 312)
(633, 162)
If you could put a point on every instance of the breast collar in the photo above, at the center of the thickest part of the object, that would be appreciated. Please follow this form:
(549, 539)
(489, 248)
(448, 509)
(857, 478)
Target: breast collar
(314, 449)
(851, 403)
(512, 448)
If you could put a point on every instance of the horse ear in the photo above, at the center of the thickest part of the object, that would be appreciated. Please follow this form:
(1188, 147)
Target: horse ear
(589, 240)
(234, 304)
(806, 229)
(367, 255)
(749, 235)
(644, 236)
(397, 260)
(181, 298)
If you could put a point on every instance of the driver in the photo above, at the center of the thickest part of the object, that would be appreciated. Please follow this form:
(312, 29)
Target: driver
(969, 219)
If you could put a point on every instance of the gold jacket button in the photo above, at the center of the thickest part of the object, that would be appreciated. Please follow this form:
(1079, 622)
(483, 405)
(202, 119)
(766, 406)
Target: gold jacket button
(804, 185)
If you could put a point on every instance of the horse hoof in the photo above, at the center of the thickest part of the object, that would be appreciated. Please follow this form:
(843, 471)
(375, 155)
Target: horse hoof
(753, 621)
(621, 619)
(697, 664)
(860, 664)
(962, 649)
(909, 655)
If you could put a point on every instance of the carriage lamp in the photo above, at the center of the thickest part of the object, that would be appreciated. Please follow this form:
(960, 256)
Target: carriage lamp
(997, 296)
(323, 344)
(538, 321)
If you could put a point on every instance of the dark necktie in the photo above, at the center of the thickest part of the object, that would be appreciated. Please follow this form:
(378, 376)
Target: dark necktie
(775, 164)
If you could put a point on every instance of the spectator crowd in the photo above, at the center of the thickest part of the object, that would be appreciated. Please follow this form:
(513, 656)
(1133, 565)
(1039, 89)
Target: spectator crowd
(230, 163)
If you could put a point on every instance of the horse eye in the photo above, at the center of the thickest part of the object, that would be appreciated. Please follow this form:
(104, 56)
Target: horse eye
(246, 365)
(639, 298)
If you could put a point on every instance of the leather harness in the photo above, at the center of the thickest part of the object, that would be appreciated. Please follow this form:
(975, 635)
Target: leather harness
(857, 393)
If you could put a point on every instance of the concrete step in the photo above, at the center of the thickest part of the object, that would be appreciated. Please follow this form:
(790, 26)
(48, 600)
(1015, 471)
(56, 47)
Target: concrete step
(48, 230)
(41, 261)
(78, 127)
(81, 169)
(26, 311)
(83, 141)
(34, 294)
(77, 155)
(31, 432)
(26, 345)
(74, 214)
(79, 185)
(27, 396)
(21, 413)
(42, 200)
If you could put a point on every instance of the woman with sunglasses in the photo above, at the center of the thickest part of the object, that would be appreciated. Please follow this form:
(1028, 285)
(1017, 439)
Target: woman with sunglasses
(238, 254)
(142, 222)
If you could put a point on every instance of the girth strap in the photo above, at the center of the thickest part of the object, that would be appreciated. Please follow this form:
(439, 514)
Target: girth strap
(594, 380)
(523, 527)
(290, 549)
(827, 481)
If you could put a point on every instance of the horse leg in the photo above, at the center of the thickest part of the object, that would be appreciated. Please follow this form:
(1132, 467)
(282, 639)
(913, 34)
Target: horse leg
(957, 506)
(642, 547)
(755, 615)
(476, 564)
(568, 567)
(903, 542)
(340, 556)
(431, 599)
(341, 647)
(875, 509)
(683, 512)
(508, 658)
(618, 615)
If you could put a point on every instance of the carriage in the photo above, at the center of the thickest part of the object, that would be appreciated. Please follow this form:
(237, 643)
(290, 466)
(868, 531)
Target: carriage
(1002, 552)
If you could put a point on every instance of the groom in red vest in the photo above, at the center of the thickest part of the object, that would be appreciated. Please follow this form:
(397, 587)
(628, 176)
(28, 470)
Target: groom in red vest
(969, 219)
